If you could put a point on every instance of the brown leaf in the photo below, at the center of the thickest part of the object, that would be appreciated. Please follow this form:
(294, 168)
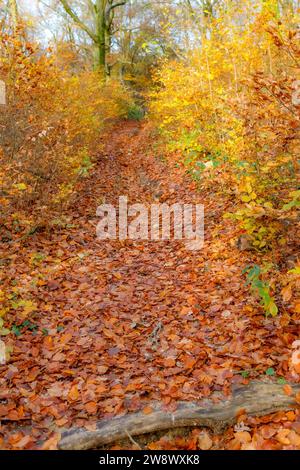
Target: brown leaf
(204, 441)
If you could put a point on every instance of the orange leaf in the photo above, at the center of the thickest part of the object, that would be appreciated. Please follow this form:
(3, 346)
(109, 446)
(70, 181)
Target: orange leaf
(66, 338)
(23, 442)
(91, 407)
(282, 436)
(294, 438)
(101, 389)
(288, 390)
(169, 362)
(191, 300)
(189, 362)
(287, 293)
(243, 437)
(48, 342)
(185, 310)
(291, 416)
(117, 275)
(73, 394)
(148, 410)
(297, 307)
(234, 444)
(51, 444)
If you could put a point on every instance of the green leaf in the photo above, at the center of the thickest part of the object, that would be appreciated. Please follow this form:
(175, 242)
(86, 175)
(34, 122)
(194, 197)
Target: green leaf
(16, 330)
(281, 381)
(273, 309)
(270, 371)
(245, 374)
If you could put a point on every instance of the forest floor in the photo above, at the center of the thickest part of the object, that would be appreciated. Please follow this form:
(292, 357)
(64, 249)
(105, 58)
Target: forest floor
(119, 325)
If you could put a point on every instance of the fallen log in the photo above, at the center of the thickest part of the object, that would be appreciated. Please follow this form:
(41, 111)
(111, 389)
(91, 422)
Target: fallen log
(257, 399)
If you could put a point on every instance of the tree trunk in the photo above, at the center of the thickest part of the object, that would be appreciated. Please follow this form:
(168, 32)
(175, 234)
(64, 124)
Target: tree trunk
(14, 13)
(101, 33)
(101, 36)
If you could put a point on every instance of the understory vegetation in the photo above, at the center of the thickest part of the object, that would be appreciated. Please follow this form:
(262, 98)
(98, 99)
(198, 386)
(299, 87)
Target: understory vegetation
(229, 113)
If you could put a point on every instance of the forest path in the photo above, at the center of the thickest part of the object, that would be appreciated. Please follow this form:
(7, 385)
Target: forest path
(122, 324)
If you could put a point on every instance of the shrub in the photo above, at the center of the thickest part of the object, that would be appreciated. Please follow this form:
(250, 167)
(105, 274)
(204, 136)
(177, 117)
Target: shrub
(230, 112)
(135, 112)
(50, 128)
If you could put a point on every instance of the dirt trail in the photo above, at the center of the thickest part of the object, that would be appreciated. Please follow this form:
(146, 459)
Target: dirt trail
(121, 325)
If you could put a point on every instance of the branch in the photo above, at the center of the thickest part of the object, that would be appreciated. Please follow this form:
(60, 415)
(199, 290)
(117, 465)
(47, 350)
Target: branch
(115, 5)
(77, 20)
(257, 399)
(92, 7)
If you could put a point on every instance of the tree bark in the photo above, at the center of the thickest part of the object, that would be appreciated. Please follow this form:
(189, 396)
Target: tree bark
(101, 35)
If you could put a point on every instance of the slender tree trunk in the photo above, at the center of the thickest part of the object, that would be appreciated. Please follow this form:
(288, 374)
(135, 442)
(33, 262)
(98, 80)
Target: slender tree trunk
(14, 13)
(101, 35)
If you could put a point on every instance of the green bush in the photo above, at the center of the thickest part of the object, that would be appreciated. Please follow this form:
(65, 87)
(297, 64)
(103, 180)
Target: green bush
(135, 112)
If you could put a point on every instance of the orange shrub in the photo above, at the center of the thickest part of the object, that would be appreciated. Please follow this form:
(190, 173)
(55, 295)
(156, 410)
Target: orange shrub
(49, 127)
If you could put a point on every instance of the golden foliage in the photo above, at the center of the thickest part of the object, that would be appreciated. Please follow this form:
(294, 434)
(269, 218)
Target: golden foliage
(50, 128)
(231, 112)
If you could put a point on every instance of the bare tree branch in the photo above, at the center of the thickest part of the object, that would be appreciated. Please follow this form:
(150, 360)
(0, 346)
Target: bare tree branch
(77, 20)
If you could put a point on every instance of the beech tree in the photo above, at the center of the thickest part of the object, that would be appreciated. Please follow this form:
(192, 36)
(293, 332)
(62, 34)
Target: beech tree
(101, 30)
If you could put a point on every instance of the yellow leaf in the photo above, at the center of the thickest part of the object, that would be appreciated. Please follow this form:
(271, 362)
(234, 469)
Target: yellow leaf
(246, 198)
(20, 186)
(28, 307)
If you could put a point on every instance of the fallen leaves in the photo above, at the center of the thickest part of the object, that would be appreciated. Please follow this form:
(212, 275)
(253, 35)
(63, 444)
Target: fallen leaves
(65, 339)
(134, 323)
(169, 362)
